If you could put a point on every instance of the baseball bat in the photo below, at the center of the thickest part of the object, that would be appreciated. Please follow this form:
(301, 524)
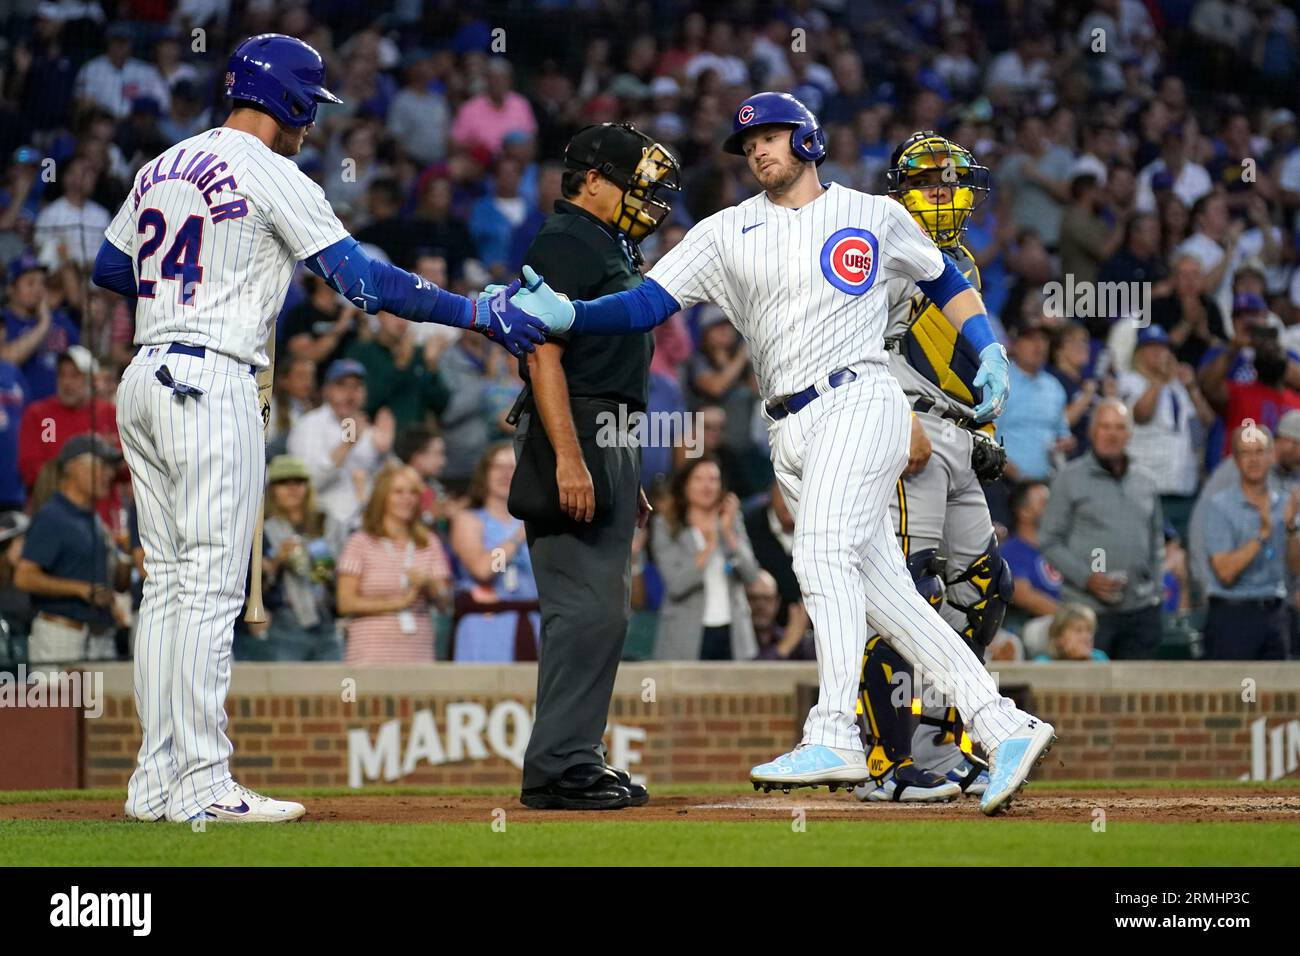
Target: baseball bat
(256, 611)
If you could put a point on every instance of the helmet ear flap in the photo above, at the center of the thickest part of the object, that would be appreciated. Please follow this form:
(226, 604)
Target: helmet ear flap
(808, 143)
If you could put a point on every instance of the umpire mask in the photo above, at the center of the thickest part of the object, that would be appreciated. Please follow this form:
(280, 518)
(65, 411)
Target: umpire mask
(645, 171)
(644, 206)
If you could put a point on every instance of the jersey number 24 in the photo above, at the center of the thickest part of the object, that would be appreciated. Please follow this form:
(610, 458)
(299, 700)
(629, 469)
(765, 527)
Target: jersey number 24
(181, 261)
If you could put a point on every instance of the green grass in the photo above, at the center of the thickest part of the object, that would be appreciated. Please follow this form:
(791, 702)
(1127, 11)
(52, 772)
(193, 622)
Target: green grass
(765, 844)
(973, 842)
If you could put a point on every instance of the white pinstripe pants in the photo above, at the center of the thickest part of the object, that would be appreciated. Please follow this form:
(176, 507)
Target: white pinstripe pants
(197, 471)
(838, 461)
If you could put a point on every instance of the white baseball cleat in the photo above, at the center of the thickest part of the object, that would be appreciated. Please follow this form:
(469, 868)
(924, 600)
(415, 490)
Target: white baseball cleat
(242, 805)
(1011, 762)
(812, 765)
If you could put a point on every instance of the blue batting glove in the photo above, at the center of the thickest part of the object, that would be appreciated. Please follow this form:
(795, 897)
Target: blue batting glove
(496, 317)
(542, 302)
(994, 378)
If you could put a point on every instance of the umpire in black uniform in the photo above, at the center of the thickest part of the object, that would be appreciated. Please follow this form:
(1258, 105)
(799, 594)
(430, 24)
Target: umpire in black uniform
(579, 492)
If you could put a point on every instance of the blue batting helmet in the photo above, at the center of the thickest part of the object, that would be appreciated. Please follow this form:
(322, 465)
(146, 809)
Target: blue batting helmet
(281, 74)
(780, 109)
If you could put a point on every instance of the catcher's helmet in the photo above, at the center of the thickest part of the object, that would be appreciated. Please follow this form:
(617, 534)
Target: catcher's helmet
(281, 74)
(646, 172)
(926, 159)
(807, 139)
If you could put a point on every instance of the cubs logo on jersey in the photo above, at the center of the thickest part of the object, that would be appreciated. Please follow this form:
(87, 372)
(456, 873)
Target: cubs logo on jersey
(850, 259)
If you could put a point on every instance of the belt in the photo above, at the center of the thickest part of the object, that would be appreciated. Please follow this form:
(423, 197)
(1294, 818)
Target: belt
(197, 351)
(924, 404)
(182, 390)
(781, 407)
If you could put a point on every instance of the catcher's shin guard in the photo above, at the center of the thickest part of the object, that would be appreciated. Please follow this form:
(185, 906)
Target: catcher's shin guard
(885, 703)
(982, 592)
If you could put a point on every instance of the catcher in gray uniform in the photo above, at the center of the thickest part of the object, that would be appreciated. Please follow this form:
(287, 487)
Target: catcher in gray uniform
(939, 510)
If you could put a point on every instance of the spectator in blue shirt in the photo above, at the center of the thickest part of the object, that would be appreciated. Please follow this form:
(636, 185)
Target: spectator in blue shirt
(1033, 427)
(13, 399)
(1037, 588)
(70, 563)
(1252, 543)
(36, 335)
(1071, 356)
(496, 218)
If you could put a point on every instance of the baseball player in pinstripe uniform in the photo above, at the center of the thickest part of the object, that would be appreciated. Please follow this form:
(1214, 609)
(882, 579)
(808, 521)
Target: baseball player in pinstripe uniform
(207, 243)
(938, 509)
(803, 271)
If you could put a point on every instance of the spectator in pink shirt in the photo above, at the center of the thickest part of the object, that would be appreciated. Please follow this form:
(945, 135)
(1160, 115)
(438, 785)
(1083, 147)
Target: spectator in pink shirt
(485, 119)
(389, 574)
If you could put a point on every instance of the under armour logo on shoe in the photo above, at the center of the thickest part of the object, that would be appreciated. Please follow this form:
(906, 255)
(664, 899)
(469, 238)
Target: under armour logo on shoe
(1033, 724)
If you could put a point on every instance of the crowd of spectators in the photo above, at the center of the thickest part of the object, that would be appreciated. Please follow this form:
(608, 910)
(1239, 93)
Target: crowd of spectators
(1146, 146)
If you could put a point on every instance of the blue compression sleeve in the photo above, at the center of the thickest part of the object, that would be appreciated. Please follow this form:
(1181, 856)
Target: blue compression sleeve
(114, 270)
(949, 283)
(634, 310)
(977, 331)
(379, 287)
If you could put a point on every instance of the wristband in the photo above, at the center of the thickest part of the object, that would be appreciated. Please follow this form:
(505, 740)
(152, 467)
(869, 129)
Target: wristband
(977, 331)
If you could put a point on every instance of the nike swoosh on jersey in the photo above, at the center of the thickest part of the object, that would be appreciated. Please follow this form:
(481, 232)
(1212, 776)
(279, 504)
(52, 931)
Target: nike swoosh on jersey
(745, 229)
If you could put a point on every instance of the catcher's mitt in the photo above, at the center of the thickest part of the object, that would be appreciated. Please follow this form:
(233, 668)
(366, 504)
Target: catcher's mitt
(987, 458)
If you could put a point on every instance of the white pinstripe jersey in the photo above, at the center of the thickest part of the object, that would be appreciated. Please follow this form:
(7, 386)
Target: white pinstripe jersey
(215, 226)
(806, 287)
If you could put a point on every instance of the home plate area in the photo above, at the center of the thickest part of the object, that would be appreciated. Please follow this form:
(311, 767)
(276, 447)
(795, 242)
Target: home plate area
(1041, 804)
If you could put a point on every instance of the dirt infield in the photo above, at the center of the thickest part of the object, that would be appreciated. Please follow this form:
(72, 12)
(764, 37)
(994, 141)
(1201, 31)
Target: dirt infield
(1042, 804)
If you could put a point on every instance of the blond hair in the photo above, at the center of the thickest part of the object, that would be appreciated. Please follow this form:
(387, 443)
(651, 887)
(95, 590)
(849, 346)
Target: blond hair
(1066, 615)
(373, 519)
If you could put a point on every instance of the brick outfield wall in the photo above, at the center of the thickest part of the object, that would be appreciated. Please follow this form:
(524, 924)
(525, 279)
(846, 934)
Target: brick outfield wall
(706, 725)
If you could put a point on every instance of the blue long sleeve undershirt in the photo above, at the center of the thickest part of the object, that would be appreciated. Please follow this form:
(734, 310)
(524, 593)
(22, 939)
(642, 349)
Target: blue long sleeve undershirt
(114, 270)
(369, 283)
(377, 286)
(649, 304)
(633, 310)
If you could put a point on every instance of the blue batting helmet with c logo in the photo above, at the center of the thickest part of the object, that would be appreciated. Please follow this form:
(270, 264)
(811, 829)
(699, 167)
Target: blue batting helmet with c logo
(807, 139)
(281, 74)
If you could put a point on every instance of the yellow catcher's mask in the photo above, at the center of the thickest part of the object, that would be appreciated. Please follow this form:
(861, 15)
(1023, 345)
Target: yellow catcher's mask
(644, 207)
(939, 183)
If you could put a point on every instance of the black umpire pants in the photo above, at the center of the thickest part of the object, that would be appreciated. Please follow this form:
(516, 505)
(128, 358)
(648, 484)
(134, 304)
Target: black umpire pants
(584, 578)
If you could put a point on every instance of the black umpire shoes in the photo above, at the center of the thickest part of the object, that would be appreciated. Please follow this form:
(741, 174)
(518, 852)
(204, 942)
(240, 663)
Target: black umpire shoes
(640, 795)
(586, 787)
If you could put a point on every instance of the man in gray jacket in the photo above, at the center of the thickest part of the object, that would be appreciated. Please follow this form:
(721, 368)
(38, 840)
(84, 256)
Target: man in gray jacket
(1104, 531)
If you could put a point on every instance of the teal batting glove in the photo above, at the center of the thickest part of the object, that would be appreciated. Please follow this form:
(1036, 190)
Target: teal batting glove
(539, 300)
